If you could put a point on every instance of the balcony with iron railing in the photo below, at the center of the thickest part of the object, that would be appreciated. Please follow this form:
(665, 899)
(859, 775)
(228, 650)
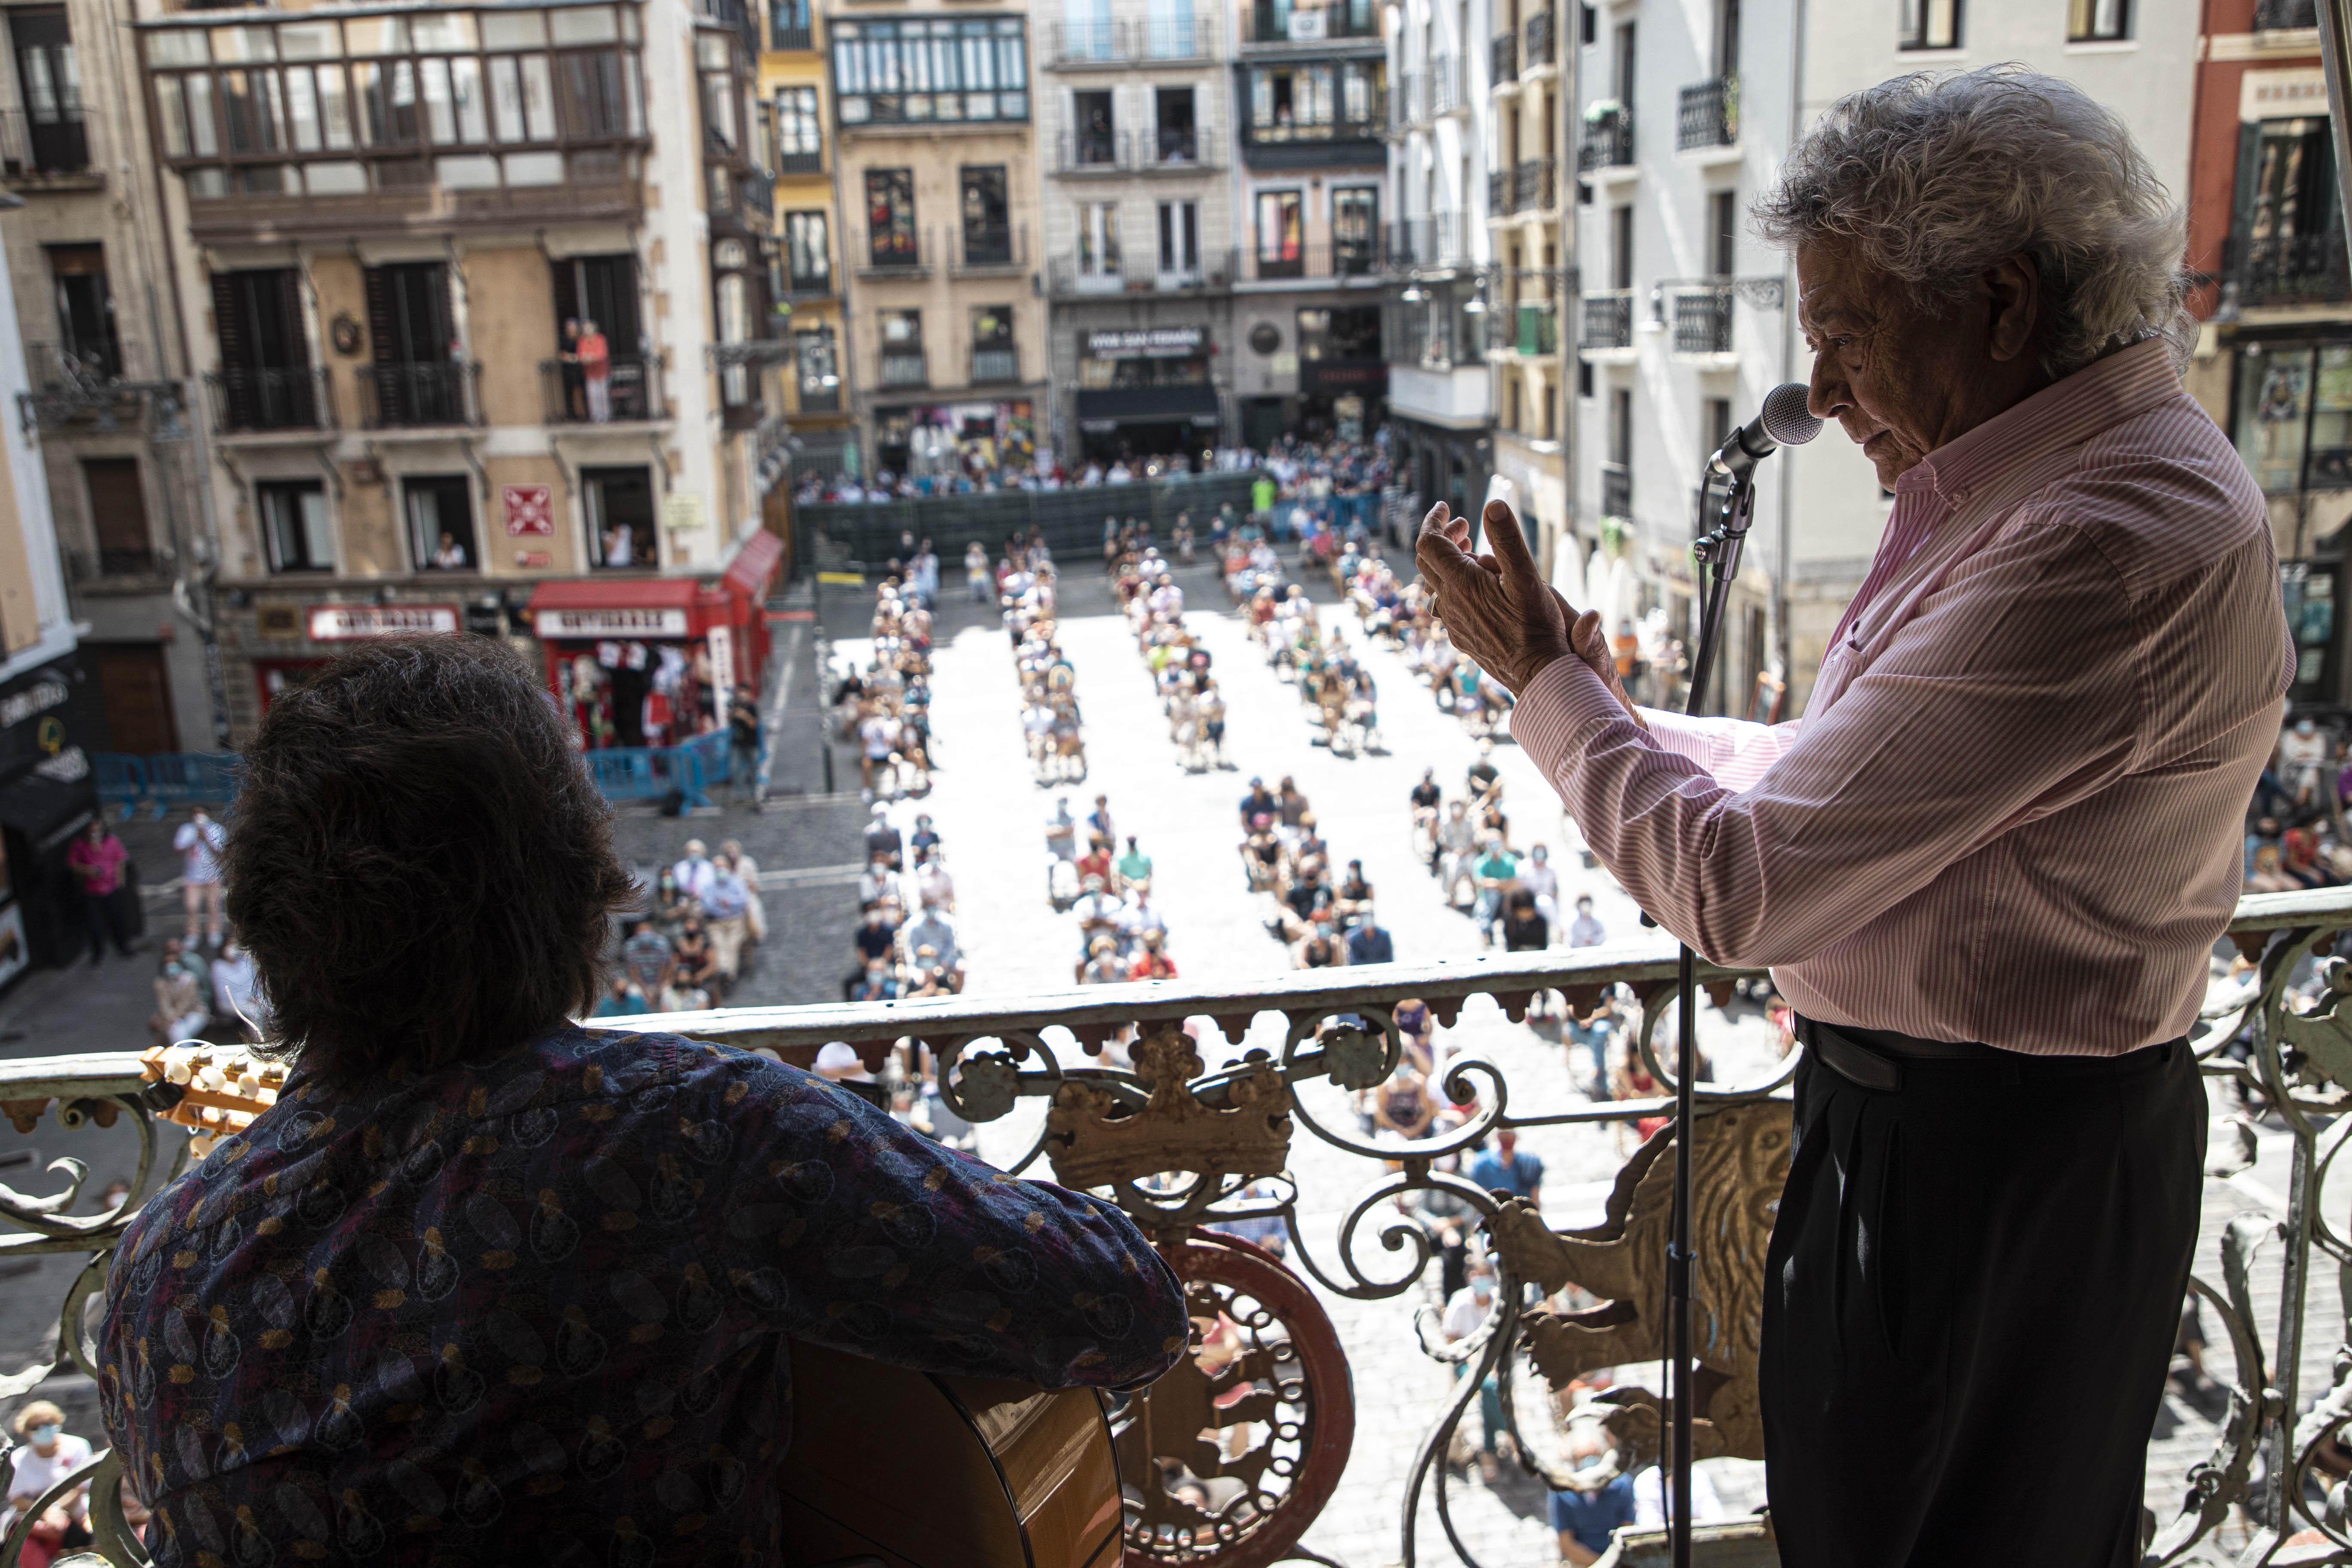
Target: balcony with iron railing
(1088, 152)
(1299, 138)
(1502, 58)
(992, 364)
(1707, 114)
(2285, 15)
(1535, 185)
(417, 394)
(1344, 1313)
(1428, 239)
(1702, 320)
(891, 255)
(96, 566)
(1067, 277)
(1266, 23)
(1608, 140)
(251, 400)
(904, 367)
(787, 35)
(1608, 321)
(991, 250)
(1616, 490)
(1159, 39)
(1176, 151)
(631, 393)
(48, 150)
(1102, 42)
(2285, 269)
(1542, 32)
(1499, 193)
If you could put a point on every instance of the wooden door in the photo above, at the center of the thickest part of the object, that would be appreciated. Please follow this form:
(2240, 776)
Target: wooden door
(137, 691)
(118, 514)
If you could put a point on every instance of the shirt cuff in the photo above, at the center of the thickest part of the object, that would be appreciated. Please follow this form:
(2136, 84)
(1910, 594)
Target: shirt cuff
(1563, 700)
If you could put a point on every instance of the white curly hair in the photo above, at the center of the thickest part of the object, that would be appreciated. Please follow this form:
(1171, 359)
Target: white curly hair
(1932, 178)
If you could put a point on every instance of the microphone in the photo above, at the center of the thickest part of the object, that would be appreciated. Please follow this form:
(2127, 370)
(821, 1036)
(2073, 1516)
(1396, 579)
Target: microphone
(1785, 421)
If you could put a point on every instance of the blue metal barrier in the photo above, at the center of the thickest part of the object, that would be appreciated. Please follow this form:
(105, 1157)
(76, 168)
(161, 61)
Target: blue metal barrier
(648, 772)
(183, 778)
(121, 780)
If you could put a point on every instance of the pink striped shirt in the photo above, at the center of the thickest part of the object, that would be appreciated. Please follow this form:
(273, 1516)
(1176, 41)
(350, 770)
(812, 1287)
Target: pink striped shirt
(2012, 812)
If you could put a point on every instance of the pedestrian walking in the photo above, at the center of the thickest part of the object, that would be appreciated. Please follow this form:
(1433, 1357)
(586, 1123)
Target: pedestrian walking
(743, 746)
(96, 860)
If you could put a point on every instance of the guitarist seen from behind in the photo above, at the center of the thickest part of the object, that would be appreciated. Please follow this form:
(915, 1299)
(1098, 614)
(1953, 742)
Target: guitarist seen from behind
(483, 1276)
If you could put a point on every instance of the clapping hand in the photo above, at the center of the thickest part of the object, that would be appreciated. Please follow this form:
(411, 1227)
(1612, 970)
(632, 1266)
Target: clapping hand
(1499, 611)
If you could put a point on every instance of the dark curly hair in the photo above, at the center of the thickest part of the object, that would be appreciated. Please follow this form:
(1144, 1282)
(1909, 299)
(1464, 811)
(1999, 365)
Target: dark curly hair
(418, 862)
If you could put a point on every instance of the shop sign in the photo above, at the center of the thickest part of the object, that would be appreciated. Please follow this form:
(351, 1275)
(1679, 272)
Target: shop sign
(682, 512)
(29, 701)
(360, 623)
(721, 643)
(1145, 342)
(557, 626)
(530, 508)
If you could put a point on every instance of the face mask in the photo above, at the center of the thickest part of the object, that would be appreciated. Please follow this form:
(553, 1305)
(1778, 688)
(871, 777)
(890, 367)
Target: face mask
(45, 1434)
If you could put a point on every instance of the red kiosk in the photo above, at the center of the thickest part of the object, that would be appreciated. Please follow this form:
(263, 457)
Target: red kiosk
(648, 661)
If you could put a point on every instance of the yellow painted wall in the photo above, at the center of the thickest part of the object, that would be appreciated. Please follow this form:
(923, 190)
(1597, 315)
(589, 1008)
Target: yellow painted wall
(371, 527)
(20, 616)
(563, 546)
(510, 316)
(340, 292)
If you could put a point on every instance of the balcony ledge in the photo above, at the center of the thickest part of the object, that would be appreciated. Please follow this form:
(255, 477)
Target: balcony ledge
(1714, 157)
(1615, 175)
(1606, 356)
(77, 183)
(1728, 360)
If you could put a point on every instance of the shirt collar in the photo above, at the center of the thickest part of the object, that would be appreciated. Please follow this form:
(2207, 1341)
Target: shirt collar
(2064, 413)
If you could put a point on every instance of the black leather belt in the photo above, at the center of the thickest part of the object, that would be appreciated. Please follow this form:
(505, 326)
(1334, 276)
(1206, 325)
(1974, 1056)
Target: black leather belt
(1874, 1058)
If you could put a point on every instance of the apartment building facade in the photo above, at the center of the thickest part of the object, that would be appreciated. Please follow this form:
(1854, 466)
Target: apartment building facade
(807, 291)
(1529, 196)
(480, 303)
(1686, 320)
(1441, 388)
(933, 110)
(1311, 191)
(2273, 363)
(106, 376)
(1136, 144)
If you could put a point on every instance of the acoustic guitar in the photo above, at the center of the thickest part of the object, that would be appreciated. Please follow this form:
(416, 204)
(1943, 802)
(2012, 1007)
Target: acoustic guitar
(1003, 1475)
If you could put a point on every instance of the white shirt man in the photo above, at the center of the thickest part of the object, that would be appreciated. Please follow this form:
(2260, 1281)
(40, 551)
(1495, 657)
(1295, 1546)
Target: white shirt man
(1586, 932)
(1537, 876)
(1139, 916)
(937, 889)
(694, 871)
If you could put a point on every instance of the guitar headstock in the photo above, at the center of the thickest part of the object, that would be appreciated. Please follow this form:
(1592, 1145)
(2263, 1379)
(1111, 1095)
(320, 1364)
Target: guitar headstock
(222, 1088)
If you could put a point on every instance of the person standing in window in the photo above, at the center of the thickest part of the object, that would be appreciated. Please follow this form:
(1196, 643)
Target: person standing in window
(449, 555)
(596, 371)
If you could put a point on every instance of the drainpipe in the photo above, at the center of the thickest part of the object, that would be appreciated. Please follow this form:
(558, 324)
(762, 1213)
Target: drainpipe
(1784, 529)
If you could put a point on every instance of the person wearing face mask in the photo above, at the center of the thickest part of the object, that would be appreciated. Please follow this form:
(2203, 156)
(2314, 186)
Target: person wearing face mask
(47, 1457)
(1464, 1313)
(2304, 751)
(236, 994)
(1586, 1522)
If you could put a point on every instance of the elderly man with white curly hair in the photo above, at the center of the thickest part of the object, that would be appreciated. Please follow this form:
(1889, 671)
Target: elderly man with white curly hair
(1990, 862)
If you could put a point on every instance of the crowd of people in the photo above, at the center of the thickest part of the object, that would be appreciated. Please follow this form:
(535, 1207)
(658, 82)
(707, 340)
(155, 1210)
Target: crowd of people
(686, 949)
(1324, 917)
(885, 709)
(2296, 832)
(1123, 935)
(905, 942)
(1153, 603)
(1051, 725)
(1322, 478)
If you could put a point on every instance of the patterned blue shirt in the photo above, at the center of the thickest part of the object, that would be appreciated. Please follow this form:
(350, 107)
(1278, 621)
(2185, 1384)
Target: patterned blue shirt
(546, 1301)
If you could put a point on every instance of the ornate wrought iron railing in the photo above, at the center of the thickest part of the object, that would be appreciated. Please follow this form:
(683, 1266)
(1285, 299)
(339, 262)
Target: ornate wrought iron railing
(1180, 1146)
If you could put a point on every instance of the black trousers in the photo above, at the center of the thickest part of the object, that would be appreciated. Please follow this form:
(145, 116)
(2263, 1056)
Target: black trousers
(1971, 1299)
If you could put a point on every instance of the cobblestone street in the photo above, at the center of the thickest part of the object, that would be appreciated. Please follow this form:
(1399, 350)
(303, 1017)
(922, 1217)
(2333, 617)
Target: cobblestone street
(991, 818)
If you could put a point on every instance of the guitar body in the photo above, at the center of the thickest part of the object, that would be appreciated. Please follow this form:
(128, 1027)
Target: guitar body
(1006, 1476)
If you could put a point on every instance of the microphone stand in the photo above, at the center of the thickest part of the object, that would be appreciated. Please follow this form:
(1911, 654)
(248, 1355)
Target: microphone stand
(1717, 554)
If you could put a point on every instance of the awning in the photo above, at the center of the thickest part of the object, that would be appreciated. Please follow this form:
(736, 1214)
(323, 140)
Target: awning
(1148, 405)
(52, 800)
(585, 608)
(754, 567)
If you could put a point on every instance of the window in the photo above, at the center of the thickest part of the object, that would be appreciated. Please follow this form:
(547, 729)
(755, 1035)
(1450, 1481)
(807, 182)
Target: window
(1096, 140)
(1086, 32)
(1550, 431)
(294, 525)
(440, 509)
(85, 310)
(265, 377)
(987, 217)
(1620, 246)
(1281, 235)
(1169, 33)
(1626, 54)
(416, 376)
(1176, 137)
(788, 23)
(1511, 405)
(1098, 254)
(902, 349)
(1355, 229)
(800, 137)
(820, 375)
(1722, 232)
(914, 71)
(1588, 24)
(1315, 103)
(807, 259)
(739, 387)
(891, 217)
(118, 514)
(1620, 425)
(1715, 423)
(493, 96)
(993, 357)
(1584, 378)
(1179, 239)
(2100, 20)
(2294, 424)
(619, 504)
(1351, 332)
(1930, 24)
(1727, 37)
(49, 80)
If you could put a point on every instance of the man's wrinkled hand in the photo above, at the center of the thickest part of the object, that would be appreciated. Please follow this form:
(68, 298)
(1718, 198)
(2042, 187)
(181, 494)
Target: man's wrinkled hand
(1498, 610)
